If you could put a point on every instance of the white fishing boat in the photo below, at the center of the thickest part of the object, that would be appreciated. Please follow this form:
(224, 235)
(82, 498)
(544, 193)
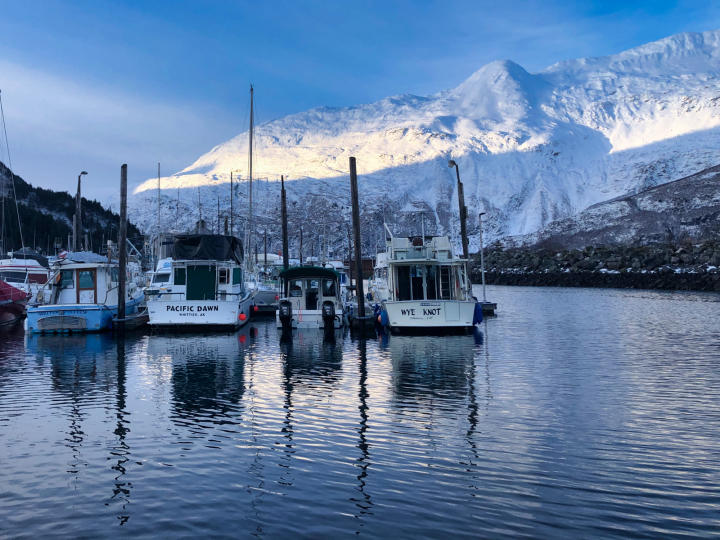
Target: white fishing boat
(26, 271)
(82, 295)
(428, 287)
(310, 298)
(206, 288)
(378, 283)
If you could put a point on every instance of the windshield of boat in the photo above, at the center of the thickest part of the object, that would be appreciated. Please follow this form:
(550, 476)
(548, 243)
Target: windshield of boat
(161, 278)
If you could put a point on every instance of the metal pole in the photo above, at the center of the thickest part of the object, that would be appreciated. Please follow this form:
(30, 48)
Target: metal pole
(265, 246)
(482, 257)
(232, 224)
(356, 229)
(283, 212)
(122, 241)
(301, 245)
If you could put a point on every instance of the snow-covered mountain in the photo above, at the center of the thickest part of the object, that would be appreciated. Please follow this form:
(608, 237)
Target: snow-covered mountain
(532, 147)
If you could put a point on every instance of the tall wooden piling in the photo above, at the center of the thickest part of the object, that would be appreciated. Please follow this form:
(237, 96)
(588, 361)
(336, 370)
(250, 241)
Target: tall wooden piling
(283, 212)
(122, 242)
(356, 229)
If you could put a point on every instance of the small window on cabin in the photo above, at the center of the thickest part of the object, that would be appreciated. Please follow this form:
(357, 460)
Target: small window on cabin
(67, 279)
(223, 276)
(179, 276)
(161, 278)
(115, 275)
(237, 276)
(296, 288)
(314, 285)
(86, 279)
(329, 287)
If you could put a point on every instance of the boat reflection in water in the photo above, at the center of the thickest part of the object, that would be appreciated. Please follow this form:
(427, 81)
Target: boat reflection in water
(207, 377)
(88, 375)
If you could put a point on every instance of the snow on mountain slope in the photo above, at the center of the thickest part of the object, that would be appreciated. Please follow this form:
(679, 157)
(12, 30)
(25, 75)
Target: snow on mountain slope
(532, 148)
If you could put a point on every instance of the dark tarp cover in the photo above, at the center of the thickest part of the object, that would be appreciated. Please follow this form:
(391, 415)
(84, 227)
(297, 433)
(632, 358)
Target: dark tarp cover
(27, 253)
(297, 272)
(207, 247)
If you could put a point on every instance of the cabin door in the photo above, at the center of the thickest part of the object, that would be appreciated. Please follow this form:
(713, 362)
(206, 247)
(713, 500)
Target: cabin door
(87, 286)
(201, 282)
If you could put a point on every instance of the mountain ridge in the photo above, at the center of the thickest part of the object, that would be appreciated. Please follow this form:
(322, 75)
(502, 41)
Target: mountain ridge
(532, 147)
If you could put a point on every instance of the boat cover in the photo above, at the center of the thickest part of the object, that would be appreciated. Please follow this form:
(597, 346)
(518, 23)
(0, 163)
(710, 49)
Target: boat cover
(297, 272)
(207, 247)
(27, 253)
(83, 257)
(8, 293)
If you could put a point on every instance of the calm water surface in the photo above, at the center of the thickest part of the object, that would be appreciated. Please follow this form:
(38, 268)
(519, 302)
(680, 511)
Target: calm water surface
(574, 413)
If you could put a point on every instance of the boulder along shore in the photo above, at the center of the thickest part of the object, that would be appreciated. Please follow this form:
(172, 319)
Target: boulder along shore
(686, 267)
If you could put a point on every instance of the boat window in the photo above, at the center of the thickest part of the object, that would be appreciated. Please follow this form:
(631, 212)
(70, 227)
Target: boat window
(237, 276)
(223, 276)
(311, 294)
(12, 276)
(416, 282)
(67, 279)
(445, 283)
(402, 285)
(86, 279)
(115, 275)
(296, 288)
(431, 282)
(179, 276)
(329, 288)
(160, 278)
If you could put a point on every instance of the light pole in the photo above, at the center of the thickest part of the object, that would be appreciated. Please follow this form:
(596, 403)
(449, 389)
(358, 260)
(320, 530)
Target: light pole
(482, 258)
(463, 209)
(78, 214)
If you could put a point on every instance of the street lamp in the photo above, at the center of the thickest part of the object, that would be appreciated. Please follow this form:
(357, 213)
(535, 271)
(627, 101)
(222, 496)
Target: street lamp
(78, 214)
(482, 257)
(463, 209)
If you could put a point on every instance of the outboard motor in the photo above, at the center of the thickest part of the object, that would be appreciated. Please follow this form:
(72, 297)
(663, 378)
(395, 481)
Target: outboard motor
(328, 315)
(285, 314)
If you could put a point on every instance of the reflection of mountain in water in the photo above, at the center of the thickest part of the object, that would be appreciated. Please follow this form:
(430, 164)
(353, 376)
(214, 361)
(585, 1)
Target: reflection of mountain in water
(311, 359)
(431, 366)
(207, 372)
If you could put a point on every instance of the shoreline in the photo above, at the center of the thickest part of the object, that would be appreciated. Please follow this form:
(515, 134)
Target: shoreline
(664, 281)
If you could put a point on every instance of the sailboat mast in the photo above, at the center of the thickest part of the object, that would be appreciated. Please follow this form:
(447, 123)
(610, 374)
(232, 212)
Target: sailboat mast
(250, 173)
(232, 229)
(158, 200)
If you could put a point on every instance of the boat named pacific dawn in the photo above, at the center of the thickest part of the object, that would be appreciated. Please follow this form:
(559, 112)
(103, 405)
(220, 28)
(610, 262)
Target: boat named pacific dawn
(82, 295)
(205, 288)
(428, 288)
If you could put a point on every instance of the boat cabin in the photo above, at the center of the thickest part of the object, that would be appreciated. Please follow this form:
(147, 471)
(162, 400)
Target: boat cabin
(419, 269)
(308, 287)
(86, 283)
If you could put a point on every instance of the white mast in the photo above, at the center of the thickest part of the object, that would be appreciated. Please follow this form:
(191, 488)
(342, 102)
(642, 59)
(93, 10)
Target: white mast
(249, 234)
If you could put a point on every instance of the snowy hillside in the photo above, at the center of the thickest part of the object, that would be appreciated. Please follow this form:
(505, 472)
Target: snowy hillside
(532, 148)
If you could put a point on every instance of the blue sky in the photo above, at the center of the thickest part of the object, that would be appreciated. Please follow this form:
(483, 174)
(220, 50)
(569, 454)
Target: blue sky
(92, 84)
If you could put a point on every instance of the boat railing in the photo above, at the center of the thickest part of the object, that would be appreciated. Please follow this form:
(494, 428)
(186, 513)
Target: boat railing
(180, 296)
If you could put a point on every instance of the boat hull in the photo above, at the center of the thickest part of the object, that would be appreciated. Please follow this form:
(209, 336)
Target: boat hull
(199, 314)
(69, 318)
(309, 318)
(265, 302)
(430, 315)
(12, 312)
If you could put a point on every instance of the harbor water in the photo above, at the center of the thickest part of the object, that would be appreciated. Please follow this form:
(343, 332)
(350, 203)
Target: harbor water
(573, 413)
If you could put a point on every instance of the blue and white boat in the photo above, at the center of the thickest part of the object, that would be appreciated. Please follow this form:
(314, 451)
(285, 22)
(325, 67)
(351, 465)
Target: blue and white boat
(82, 296)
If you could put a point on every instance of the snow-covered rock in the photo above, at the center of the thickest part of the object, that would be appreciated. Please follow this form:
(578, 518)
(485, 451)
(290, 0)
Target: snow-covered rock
(532, 148)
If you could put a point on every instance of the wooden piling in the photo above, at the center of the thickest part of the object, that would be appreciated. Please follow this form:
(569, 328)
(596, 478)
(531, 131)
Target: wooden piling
(122, 242)
(283, 212)
(356, 229)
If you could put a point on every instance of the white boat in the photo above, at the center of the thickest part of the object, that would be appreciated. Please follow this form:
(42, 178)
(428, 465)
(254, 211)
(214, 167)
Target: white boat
(428, 288)
(378, 284)
(310, 298)
(27, 272)
(206, 288)
(82, 295)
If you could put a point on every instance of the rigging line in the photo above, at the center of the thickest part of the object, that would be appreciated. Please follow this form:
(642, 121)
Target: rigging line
(12, 176)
